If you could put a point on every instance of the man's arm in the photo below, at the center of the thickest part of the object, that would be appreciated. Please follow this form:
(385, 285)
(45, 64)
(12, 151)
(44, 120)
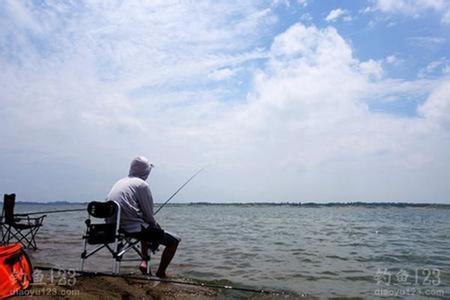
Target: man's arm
(146, 203)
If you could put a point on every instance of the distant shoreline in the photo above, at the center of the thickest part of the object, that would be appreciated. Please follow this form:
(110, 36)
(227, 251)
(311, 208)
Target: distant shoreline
(297, 204)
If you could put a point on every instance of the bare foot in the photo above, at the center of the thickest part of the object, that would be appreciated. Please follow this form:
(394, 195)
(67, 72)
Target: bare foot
(143, 269)
(161, 274)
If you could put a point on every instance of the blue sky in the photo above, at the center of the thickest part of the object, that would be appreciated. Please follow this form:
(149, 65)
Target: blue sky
(300, 100)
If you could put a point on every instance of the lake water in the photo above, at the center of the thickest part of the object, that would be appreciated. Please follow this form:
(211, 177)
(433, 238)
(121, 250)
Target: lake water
(319, 251)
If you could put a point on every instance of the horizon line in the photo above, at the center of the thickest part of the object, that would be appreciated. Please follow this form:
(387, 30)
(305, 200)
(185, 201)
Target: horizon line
(297, 203)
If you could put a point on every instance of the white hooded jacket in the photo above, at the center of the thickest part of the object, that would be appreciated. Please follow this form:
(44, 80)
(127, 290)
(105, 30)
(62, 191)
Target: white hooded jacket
(134, 197)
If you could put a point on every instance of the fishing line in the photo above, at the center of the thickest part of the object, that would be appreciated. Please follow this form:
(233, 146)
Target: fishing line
(159, 208)
(55, 211)
(148, 278)
(179, 189)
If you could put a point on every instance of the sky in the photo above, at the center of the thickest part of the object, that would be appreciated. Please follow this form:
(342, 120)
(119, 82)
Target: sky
(299, 101)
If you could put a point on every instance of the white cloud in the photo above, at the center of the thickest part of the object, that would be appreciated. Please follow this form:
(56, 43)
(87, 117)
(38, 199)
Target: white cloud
(94, 81)
(413, 8)
(371, 68)
(338, 13)
(426, 41)
(393, 60)
(409, 7)
(221, 74)
(446, 69)
(306, 18)
(22, 16)
(446, 17)
(303, 3)
(300, 41)
(367, 10)
(437, 107)
(107, 87)
(306, 119)
(437, 67)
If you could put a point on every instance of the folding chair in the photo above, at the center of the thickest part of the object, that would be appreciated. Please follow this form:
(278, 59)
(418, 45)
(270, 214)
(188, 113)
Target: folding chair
(107, 235)
(19, 227)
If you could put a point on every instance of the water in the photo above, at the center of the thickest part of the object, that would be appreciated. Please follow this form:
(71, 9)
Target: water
(319, 251)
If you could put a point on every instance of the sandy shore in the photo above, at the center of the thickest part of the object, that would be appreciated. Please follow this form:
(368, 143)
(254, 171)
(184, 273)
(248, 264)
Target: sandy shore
(106, 287)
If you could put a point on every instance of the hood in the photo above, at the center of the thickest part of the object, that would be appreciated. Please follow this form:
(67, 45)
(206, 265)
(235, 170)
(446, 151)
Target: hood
(140, 167)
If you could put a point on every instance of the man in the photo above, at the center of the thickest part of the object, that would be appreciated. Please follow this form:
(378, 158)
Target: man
(136, 218)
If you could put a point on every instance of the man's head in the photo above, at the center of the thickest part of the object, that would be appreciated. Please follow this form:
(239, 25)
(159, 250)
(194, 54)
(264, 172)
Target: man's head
(140, 167)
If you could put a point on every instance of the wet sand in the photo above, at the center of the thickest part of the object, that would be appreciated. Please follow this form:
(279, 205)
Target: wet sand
(106, 287)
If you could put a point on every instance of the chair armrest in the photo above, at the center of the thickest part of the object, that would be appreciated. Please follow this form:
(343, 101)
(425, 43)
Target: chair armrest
(40, 218)
(36, 218)
(30, 220)
(20, 215)
(18, 218)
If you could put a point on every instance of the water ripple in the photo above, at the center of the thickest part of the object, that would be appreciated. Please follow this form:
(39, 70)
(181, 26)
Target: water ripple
(320, 251)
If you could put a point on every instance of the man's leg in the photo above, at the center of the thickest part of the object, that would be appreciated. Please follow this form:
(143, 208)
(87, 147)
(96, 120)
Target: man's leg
(144, 264)
(166, 258)
(171, 242)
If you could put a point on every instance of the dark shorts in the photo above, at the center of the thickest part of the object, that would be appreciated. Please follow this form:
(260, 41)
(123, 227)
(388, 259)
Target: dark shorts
(158, 236)
(170, 239)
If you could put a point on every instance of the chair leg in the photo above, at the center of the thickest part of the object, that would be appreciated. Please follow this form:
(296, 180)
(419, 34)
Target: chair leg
(18, 235)
(118, 267)
(2, 234)
(27, 239)
(8, 234)
(116, 258)
(148, 266)
(23, 239)
(13, 234)
(114, 265)
(33, 237)
(82, 264)
(84, 253)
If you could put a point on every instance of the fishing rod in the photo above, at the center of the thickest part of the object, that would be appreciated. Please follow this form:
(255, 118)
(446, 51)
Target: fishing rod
(151, 278)
(55, 211)
(179, 189)
(83, 209)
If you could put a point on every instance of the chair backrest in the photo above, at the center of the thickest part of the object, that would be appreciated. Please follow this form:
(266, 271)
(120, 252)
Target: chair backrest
(103, 210)
(8, 208)
(103, 233)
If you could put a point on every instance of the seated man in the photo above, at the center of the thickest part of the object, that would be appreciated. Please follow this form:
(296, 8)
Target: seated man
(136, 218)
